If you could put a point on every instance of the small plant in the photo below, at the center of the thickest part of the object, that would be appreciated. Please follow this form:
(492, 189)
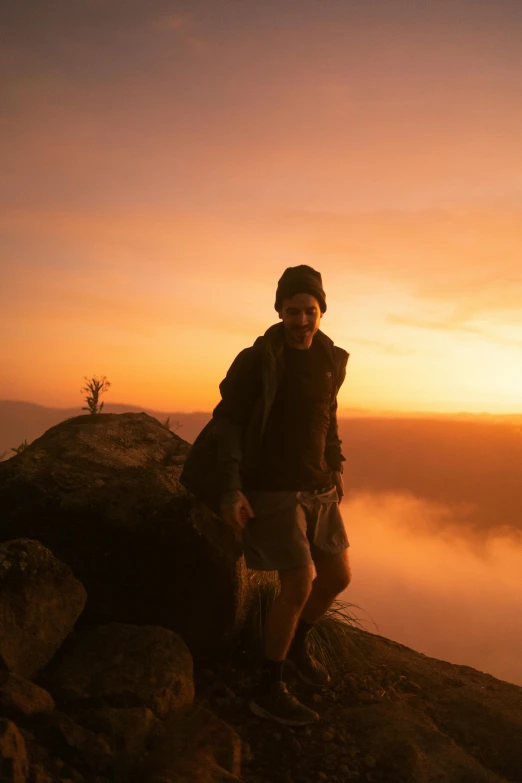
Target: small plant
(174, 426)
(20, 448)
(94, 387)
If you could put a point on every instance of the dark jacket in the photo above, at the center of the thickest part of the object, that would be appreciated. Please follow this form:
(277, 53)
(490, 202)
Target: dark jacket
(230, 442)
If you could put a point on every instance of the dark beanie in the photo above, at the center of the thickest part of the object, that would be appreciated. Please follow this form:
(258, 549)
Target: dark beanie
(300, 280)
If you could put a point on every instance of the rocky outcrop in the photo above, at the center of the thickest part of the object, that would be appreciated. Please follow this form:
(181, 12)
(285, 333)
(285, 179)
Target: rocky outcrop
(119, 698)
(102, 493)
(392, 715)
(40, 601)
(120, 665)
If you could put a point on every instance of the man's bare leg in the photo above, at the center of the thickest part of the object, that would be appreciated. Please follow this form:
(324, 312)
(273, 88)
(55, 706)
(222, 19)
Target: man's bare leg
(284, 612)
(271, 698)
(333, 576)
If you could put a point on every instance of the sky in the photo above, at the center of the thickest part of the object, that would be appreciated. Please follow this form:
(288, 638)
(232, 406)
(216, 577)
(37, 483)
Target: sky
(162, 163)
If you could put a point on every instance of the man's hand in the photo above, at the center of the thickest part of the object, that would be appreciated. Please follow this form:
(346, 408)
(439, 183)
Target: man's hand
(235, 508)
(339, 484)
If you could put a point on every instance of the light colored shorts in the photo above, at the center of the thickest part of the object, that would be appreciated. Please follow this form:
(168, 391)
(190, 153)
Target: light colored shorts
(290, 528)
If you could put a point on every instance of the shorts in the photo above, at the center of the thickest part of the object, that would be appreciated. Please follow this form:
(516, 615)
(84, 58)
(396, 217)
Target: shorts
(290, 528)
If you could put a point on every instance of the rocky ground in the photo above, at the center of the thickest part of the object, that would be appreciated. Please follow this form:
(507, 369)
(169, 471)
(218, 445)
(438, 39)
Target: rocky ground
(391, 716)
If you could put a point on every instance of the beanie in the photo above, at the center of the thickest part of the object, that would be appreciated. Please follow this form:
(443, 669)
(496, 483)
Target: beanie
(300, 280)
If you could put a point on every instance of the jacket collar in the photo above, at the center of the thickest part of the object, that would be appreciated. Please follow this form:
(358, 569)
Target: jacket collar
(273, 341)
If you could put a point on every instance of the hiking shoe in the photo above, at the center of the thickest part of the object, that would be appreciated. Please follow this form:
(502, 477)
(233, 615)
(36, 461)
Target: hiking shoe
(308, 668)
(279, 705)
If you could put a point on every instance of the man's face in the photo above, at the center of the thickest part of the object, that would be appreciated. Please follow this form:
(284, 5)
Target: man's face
(301, 316)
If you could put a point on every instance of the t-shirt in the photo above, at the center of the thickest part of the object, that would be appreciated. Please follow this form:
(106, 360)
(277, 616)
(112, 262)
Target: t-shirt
(291, 456)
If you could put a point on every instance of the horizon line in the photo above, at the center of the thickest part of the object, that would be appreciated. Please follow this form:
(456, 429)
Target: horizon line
(347, 412)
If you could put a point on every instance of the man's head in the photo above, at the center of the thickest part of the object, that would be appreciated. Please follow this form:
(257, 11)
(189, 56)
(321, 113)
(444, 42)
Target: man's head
(300, 302)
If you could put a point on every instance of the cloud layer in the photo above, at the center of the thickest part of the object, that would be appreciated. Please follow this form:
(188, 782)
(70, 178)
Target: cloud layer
(441, 590)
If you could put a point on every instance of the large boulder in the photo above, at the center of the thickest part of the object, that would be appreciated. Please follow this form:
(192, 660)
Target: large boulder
(40, 601)
(102, 492)
(121, 665)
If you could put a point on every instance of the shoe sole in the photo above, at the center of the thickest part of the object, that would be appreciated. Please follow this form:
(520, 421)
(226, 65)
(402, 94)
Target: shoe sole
(261, 713)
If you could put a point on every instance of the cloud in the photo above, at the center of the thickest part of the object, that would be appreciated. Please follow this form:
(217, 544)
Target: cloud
(435, 585)
(472, 468)
(453, 324)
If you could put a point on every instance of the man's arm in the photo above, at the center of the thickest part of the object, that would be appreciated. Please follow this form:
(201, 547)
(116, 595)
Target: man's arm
(333, 454)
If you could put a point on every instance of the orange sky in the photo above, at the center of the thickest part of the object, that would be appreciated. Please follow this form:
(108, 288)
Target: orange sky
(163, 162)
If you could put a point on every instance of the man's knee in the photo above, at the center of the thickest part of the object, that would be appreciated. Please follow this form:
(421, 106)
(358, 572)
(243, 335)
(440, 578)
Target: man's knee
(334, 574)
(296, 585)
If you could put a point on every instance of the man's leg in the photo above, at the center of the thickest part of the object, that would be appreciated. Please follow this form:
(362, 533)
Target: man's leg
(283, 614)
(333, 576)
(272, 699)
(276, 539)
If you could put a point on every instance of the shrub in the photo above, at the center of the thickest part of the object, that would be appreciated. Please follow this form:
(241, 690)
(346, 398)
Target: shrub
(94, 387)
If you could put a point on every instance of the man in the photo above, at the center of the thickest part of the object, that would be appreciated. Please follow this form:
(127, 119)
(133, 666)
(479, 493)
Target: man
(279, 476)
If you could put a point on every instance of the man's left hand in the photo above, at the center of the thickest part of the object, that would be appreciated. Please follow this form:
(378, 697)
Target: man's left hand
(339, 484)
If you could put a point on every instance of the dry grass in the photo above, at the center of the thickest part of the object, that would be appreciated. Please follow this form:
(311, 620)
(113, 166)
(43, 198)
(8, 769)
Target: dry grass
(332, 639)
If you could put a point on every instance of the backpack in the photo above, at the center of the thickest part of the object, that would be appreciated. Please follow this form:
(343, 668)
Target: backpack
(200, 474)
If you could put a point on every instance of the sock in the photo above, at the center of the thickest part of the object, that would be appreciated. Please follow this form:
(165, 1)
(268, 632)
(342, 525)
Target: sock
(301, 632)
(271, 672)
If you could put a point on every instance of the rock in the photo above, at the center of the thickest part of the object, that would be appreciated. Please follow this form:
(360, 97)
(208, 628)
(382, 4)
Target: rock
(127, 731)
(40, 600)
(102, 492)
(121, 665)
(61, 731)
(13, 754)
(195, 747)
(19, 697)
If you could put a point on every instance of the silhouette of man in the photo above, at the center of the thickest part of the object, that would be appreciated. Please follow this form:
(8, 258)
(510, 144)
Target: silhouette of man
(280, 478)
